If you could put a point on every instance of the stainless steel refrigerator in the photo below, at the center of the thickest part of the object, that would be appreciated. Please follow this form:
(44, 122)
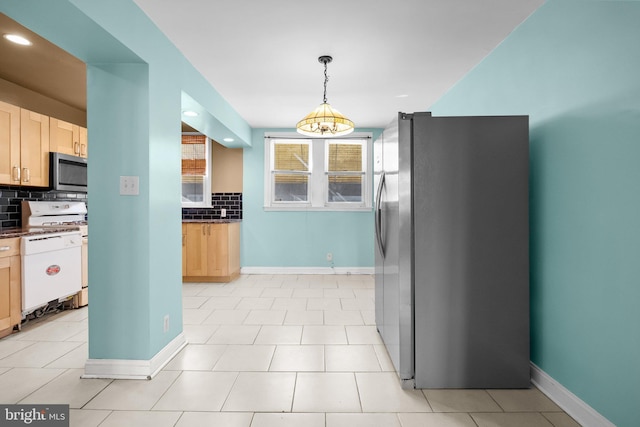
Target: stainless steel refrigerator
(452, 250)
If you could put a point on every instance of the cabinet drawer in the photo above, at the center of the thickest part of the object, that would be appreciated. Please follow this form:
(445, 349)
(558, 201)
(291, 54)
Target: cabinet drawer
(9, 247)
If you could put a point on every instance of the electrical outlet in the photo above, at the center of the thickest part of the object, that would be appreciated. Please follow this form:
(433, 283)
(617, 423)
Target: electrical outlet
(329, 256)
(223, 213)
(166, 323)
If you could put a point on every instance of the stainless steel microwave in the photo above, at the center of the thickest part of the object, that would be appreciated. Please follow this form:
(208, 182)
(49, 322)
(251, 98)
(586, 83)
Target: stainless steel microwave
(68, 173)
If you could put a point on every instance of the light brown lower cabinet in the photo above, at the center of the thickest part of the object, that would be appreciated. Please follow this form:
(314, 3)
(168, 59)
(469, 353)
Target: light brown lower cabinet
(210, 252)
(10, 286)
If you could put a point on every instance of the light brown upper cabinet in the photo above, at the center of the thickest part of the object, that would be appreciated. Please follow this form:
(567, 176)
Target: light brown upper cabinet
(24, 147)
(34, 148)
(68, 138)
(84, 142)
(9, 144)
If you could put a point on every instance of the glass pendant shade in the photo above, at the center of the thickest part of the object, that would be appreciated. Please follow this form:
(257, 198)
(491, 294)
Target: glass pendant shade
(325, 121)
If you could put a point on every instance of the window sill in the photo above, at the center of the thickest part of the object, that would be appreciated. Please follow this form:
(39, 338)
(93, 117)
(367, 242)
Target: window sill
(317, 209)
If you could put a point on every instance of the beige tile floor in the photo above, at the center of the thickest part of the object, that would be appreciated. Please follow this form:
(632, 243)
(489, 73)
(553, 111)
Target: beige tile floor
(263, 351)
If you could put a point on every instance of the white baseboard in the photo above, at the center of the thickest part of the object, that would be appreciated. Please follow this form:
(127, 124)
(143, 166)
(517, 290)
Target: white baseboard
(134, 369)
(307, 270)
(584, 414)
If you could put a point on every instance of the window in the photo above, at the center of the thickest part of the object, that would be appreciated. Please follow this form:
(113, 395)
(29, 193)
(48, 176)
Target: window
(317, 174)
(290, 171)
(345, 171)
(196, 185)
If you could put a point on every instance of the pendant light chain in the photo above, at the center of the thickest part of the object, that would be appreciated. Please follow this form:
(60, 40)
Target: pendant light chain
(326, 79)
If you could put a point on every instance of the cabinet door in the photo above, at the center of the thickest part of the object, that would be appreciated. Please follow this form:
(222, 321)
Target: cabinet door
(218, 250)
(184, 249)
(34, 149)
(65, 137)
(84, 141)
(197, 245)
(10, 303)
(205, 250)
(234, 248)
(9, 144)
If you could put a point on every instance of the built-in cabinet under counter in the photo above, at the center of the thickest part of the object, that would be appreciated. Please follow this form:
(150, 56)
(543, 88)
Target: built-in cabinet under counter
(10, 291)
(12, 274)
(210, 251)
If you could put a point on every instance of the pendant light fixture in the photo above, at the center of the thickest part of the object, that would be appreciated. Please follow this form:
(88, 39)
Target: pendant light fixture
(324, 120)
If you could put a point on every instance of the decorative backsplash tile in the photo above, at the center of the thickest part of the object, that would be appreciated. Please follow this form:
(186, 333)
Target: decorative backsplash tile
(11, 198)
(232, 202)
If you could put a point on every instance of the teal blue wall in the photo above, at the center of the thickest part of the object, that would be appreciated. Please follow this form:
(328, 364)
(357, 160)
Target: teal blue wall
(298, 239)
(574, 66)
(136, 81)
(123, 100)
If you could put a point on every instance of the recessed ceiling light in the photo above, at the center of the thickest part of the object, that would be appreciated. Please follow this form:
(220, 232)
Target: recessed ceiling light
(404, 95)
(190, 113)
(17, 39)
(228, 139)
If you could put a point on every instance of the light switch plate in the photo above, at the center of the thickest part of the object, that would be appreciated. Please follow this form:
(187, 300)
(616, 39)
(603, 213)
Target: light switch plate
(129, 185)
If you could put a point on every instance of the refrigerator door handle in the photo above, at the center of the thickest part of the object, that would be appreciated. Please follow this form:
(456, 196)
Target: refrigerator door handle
(378, 216)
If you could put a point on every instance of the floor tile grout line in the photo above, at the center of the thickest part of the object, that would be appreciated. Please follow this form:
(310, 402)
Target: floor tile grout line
(494, 399)
(96, 395)
(235, 381)
(355, 379)
(80, 344)
(16, 351)
(48, 382)
(293, 394)
(166, 390)
(427, 399)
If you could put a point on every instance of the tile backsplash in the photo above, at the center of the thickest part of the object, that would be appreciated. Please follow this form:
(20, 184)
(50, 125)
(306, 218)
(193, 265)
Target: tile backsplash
(11, 198)
(232, 202)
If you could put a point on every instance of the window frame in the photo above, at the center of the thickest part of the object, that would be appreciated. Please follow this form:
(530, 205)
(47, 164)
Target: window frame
(308, 173)
(318, 176)
(363, 173)
(206, 197)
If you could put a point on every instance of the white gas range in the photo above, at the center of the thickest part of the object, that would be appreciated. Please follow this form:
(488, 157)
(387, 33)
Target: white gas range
(52, 260)
(59, 215)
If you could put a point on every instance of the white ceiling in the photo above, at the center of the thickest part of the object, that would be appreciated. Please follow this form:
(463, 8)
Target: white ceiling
(261, 56)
